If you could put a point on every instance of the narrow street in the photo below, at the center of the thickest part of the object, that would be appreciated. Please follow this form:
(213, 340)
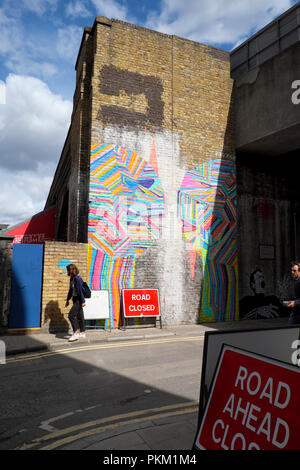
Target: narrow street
(132, 395)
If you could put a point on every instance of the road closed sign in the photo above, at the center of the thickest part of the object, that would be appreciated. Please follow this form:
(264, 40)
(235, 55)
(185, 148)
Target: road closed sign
(253, 404)
(141, 303)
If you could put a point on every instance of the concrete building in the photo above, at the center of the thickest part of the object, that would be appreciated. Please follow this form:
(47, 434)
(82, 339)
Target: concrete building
(171, 187)
(266, 72)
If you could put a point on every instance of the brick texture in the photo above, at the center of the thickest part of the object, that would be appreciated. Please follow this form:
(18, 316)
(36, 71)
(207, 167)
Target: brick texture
(56, 282)
(137, 88)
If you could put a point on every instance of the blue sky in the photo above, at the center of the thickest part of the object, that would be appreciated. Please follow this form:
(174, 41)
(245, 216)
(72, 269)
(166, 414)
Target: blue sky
(39, 42)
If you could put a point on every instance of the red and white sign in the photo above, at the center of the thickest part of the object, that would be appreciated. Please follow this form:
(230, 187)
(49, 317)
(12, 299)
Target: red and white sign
(38, 229)
(141, 303)
(254, 404)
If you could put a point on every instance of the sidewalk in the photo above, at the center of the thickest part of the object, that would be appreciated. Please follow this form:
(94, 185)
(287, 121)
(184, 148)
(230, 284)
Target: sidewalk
(25, 343)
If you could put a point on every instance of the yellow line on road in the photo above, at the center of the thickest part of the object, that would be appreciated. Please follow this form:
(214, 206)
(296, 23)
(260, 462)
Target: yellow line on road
(84, 434)
(119, 344)
(163, 411)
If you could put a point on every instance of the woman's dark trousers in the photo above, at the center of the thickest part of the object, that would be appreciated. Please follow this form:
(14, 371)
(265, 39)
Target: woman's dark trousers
(76, 315)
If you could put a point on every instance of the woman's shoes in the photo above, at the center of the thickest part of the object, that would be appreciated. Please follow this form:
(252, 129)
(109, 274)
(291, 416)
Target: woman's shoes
(76, 336)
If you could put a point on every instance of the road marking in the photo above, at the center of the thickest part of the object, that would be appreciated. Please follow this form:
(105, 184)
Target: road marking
(120, 344)
(164, 411)
(46, 426)
(68, 440)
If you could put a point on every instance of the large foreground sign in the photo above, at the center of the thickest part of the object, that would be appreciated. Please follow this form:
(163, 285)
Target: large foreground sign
(253, 404)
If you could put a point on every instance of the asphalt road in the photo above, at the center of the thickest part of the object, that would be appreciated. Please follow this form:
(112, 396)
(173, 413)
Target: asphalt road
(87, 393)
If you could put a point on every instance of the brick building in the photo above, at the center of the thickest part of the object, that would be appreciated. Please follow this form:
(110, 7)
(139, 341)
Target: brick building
(147, 176)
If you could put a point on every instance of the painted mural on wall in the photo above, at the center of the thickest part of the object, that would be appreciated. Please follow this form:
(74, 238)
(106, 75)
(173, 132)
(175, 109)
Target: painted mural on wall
(258, 305)
(126, 203)
(207, 209)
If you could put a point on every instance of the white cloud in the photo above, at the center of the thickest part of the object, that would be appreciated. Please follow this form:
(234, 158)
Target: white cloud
(10, 33)
(77, 9)
(2, 94)
(68, 42)
(40, 6)
(23, 194)
(33, 126)
(217, 22)
(111, 9)
(21, 54)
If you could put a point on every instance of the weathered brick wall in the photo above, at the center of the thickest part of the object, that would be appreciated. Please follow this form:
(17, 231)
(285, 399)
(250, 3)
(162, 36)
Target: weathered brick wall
(169, 100)
(162, 95)
(54, 315)
(146, 80)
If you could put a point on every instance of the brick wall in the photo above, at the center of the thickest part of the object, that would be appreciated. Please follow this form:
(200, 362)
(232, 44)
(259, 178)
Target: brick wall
(169, 100)
(54, 315)
(162, 95)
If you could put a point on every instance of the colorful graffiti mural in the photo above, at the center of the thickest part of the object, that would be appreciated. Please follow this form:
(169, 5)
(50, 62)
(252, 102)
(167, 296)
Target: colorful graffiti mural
(207, 209)
(126, 203)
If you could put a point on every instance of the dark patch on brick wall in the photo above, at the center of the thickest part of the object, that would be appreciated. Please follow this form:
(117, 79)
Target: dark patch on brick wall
(113, 80)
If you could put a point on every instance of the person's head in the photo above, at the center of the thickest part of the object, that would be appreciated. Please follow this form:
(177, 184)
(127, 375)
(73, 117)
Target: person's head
(295, 269)
(257, 281)
(72, 270)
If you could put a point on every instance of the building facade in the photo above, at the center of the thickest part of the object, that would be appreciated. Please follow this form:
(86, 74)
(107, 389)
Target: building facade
(147, 175)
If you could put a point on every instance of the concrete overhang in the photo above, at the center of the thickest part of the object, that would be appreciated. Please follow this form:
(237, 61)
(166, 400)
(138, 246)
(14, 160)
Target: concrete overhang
(281, 142)
(267, 118)
(266, 72)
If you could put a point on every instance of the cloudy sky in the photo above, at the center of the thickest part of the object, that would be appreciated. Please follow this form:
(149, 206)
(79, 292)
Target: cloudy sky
(39, 42)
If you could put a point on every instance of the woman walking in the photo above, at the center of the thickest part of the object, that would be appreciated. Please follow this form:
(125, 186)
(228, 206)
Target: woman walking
(76, 315)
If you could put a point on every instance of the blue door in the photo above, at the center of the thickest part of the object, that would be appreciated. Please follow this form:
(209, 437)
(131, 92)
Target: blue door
(26, 286)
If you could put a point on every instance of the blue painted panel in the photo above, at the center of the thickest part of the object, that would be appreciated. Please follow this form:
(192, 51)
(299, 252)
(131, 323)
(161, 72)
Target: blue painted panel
(26, 287)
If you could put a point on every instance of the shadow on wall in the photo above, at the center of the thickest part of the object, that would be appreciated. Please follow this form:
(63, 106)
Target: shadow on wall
(5, 282)
(207, 207)
(269, 215)
(219, 298)
(57, 322)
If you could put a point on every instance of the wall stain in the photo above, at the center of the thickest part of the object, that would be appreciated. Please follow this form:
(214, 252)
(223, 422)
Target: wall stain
(113, 80)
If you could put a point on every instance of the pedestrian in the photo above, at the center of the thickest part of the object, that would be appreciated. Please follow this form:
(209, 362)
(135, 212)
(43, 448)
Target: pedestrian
(295, 303)
(76, 315)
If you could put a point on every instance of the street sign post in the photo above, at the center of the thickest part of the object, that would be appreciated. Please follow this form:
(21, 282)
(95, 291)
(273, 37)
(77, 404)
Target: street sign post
(141, 303)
